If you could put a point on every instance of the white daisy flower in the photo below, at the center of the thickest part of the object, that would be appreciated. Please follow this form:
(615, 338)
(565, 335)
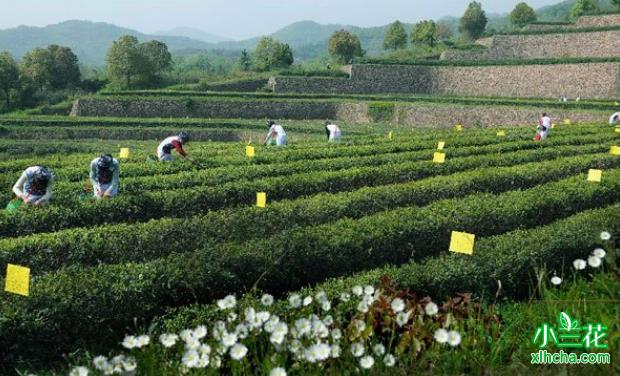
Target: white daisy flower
(278, 371)
(389, 360)
(579, 264)
(402, 318)
(605, 235)
(277, 338)
(454, 338)
(345, 297)
(217, 362)
(238, 351)
(266, 300)
(186, 334)
(143, 340)
(270, 325)
(294, 346)
(307, 301)
(336, 334)
(190, 359)
(263, 316)
(369, 290)
(241, 331)
(367, 362)
(294, 301)
(357, 290)
(431, 309)
(100, 362)
(328, 320)
(441, 335)
(322, 351)
(200, 331)
(130, 365)
(231, 317)
(204, 349)
(303, 327)
(320, 296)
(168, 340)
(357, 349)
(378, 349)
(556, 280)
(227, 303)
(362, 307)
(79, 371)
(326, 306)
(203, 362)
(130, 342)
(229, 339)
(398, 305)
(594, 261)
(599, 252)
(192, 343)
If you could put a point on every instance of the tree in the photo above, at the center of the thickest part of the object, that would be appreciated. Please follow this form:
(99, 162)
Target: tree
(36, 67)
(522, 15)
(155, 59)
(395, 37)
(245, 61)
(271, 54)
(64, 69)
(444, 31)
(582, 7)
(344, 46)
(124, 60)
(474, 21)
(424, 32)
(9, 76)
(616, 3)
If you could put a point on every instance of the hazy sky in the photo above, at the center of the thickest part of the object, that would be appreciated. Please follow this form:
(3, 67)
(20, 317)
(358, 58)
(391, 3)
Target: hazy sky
(237, 19)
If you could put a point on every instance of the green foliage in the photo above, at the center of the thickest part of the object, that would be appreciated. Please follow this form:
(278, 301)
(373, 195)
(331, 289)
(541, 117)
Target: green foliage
(271, 54)
(395, 37)
(36, 68)
(381, 111)
(64, 70)
(344, 46)
(425, 32)
(473, 22)
(9, 77)
(245, 61)
(522, 15)
(616, 3)
(582, 7)
(155, 57)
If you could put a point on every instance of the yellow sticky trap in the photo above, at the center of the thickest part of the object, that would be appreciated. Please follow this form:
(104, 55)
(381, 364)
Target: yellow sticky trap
(391, 135)
(615, 150)
(124, 154)
(458, 128)
(250, 152)
(501, 134)
(17, 280)
(567, 121)
(595, 176)
(617, 130)
(552, 125)
(462, 242)
(261, 199)
(439, 157)
(441, 145)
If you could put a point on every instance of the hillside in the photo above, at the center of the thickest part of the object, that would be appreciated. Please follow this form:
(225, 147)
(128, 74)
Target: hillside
(89, 40)
(193, 33)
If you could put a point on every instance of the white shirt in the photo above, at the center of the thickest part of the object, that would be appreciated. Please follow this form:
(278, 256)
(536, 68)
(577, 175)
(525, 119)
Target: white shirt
(546, 122)
(334, 131)
(278, 130)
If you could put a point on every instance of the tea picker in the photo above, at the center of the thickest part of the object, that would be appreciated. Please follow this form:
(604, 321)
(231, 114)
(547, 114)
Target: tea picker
(105, 176)
(276, 134)
(164, 150)
(614, 119)
(34, 186)
(332, 131)
(544, 125)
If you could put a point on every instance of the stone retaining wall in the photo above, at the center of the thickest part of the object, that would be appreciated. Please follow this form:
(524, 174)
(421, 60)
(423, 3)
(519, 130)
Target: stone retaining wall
(544, 46)
(408, 114)
(237, 86)
(605, 20)
(592, 80)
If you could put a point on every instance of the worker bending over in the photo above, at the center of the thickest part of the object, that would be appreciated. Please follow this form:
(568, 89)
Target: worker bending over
(34, 186)
(544, 125)
(614, 119)
(276, 133)
(105, 176)
(164, 150)
(333, 132)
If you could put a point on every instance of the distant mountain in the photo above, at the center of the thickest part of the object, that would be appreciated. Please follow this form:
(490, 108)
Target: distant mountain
(89, 40)
(193, 33)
